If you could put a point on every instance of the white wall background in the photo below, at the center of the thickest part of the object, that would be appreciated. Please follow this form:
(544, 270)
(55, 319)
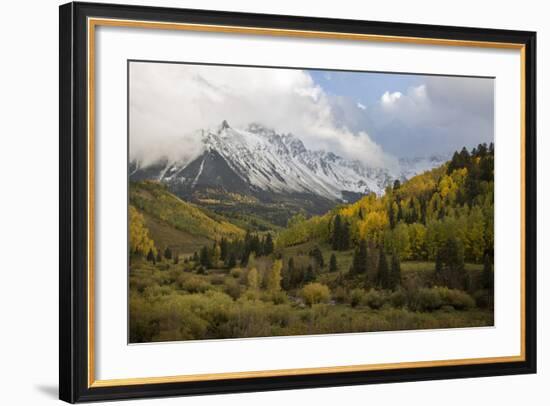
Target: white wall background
(29, 203)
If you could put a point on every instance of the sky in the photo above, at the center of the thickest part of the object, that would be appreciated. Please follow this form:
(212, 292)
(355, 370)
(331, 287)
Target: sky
(376, 118)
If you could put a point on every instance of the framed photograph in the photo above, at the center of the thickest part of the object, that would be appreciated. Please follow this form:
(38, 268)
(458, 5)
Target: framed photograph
(257, 202)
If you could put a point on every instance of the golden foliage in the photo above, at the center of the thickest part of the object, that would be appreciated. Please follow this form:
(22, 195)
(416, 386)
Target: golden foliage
(273, 282)
(140, 242)
(314, 293)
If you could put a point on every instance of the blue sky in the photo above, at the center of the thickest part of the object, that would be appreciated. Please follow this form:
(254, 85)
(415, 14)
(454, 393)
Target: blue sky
(364, 87)
(412, 115)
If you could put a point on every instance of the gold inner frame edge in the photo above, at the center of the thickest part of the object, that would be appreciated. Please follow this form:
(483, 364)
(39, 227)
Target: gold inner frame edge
(92, 23)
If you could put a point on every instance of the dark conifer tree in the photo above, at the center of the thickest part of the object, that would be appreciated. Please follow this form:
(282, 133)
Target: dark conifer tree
(205, 258)
(268, 245)
(423, 211)
(438, 263)
(150, 255)
(454, 273)
(395, 272)
(464, 158)
(255, 245)
(291, 264)
(337, 233)
(317, 256)
(309, 275)
(245, 256)
(333, 265)
(345, 237)
(486, 168)
(232, 260)
(360, 258)
(487, 275)
(383, 277)
(472, 184)
(391, 214)
(223, 249)
(168, 253)
(454, 164)
(399, 212)
(293, 275)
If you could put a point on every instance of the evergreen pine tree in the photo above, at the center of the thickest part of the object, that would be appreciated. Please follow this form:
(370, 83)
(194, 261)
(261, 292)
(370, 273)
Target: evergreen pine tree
(337, 233)
(345, 237)
(268, 245)
(395, 273)
(487, 275)
(205, 257)
(453, 264)
(291, 273)
(244, 257)
(232, 261)
(317, 256)
(167, 253)
(360, 258)
(223, 249)
(438, 263)
(150, 255)
(309, 276)
(333, 266)
(391, 214)
(383, 277)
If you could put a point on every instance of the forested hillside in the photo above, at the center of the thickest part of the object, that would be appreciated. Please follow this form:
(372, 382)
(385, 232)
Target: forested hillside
(441, 214)
(172, 222)
(420, 256)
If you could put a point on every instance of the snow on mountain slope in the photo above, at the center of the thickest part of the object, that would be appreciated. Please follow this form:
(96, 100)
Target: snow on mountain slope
(262, 160)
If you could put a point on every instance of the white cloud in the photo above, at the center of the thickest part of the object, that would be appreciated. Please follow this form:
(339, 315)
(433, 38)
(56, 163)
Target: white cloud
(440, 115)
(169, 102)
(389, 99)
(361, 106)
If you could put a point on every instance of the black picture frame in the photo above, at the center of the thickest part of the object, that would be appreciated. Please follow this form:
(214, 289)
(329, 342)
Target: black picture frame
(73, 256)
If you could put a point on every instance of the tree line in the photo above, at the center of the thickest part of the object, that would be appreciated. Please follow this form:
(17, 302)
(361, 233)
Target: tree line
(415, 219)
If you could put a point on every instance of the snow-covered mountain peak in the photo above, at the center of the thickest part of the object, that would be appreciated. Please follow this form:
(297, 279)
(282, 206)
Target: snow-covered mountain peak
(258, 159)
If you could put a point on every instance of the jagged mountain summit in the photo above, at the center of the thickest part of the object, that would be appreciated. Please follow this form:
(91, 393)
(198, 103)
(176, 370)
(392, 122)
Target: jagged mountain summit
(261, 162)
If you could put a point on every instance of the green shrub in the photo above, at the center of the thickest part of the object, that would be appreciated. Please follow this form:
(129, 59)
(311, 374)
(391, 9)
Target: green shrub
(279, 297)
(425, 299)
(314, 293)
(192, 284)
(232, 288)
(340, 295)
(459, 299)
(356, 297)
(236, 273)
(250, 295)
(374, 299)
(482, 298)
(217, 280)
(398, 299)
(430, 299)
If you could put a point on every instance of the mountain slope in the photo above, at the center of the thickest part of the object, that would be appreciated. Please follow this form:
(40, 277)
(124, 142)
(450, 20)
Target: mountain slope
(163, 209)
